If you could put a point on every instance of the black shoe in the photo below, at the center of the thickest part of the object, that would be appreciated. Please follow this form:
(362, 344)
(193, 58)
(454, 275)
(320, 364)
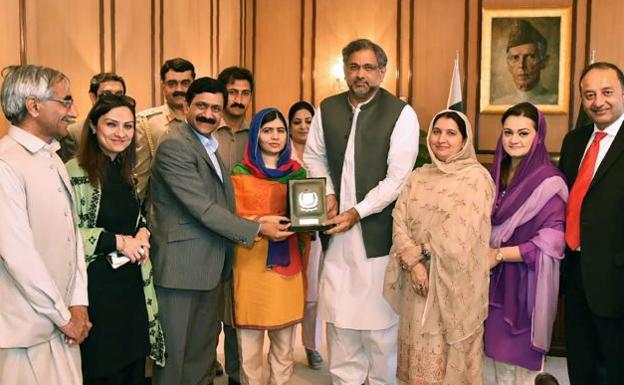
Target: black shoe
(218, 368)
(314, 359)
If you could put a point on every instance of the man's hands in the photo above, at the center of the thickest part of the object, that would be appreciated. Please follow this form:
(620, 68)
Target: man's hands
(77, 329)
(332, 206)
(343, 221)
(275, 227)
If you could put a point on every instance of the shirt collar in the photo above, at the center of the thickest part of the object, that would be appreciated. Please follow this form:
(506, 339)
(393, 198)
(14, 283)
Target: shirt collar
(31, 142)
(613, 128)
(210, 143)
(224, 126)
(360, 105)
(169, 115)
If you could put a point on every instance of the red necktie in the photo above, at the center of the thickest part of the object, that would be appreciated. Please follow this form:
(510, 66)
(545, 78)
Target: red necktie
(577, 194)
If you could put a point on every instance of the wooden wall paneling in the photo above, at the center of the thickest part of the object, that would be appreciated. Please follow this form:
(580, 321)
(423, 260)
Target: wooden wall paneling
(106, 26)
(133, 49)
(10, 43)
(405, 39)
(607, 32)
(187, 27)
(338, 23)
(580, 58)
(249, 17)
(306, 50)
(67, 41)
(489, 124)
(438, 34)
(229, 36)
(277, 53)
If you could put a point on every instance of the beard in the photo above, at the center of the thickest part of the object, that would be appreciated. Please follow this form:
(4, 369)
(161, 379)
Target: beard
(363, 93)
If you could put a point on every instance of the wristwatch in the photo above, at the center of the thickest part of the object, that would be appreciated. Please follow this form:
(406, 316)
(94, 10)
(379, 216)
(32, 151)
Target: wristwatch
(499, 256)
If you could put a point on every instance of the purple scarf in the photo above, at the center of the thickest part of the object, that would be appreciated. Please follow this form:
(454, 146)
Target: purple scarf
(535, 182)
(534, 168)
(541, 286)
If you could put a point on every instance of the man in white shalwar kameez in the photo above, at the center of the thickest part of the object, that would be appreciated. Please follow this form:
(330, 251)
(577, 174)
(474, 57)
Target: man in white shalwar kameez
(43, 277)
(365, 143)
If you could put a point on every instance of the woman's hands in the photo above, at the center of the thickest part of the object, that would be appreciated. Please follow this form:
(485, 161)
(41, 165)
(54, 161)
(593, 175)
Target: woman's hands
(408, 257)
(420, 279)
(135, 248)
(274, 227)
(410, 261)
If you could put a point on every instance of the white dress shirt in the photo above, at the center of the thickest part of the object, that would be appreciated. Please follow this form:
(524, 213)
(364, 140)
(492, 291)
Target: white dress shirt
(350, 282)
(606, 142)
(211, 145)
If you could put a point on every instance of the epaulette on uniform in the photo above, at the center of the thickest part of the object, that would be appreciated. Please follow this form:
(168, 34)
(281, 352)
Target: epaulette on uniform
(151, 112)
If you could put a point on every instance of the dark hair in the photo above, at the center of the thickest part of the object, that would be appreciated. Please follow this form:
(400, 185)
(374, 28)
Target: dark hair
(301, 105)
(603, 65)
(271, 116)
(230, 74)
(362, 44)
(102, 77)
(454, 117)
(206, 84)
(90, 156)
(525, 109)
(546, 379)
(177, 65)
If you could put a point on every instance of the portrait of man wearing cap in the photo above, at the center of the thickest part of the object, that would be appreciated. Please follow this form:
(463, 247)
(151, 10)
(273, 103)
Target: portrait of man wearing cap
(526, 57)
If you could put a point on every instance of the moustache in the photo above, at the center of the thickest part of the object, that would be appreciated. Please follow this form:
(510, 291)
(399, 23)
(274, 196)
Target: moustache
(179, 93)
(237, 105)
(206, 120)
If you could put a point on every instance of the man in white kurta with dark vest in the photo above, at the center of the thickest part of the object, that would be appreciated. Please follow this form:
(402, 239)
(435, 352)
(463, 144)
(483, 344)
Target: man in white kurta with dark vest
(43, 277)
(365, 142)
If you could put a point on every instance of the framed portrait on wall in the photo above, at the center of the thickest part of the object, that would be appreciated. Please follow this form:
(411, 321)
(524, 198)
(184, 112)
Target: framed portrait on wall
(525, 56)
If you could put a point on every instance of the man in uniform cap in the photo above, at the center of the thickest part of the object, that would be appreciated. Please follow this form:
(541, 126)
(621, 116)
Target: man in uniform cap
(526, 58)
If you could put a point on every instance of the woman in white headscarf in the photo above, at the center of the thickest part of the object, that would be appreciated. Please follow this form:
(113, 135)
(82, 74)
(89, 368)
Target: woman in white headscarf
(438, 278)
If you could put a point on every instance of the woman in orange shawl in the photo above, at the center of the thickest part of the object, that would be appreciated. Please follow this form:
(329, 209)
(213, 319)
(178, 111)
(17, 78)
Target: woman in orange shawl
(268, 278)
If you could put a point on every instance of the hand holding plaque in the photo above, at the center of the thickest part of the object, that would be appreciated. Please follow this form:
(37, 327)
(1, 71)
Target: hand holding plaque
(306, 202)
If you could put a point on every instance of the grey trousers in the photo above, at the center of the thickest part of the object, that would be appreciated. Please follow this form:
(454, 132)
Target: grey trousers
(189, 319)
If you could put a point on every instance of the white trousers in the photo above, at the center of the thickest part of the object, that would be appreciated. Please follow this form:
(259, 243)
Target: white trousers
(355, 355)
(509, 374)
(48, 363)
(281, 358)
(310, 327)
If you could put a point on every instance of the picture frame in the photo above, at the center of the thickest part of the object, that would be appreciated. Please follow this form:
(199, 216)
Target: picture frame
(525, 56)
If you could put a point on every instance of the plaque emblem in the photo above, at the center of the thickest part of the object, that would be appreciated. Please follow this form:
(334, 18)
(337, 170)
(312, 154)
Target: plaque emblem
(308, 201)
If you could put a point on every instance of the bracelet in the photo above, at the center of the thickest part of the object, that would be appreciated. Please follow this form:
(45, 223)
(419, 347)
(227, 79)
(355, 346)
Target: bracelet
(408, 267)
(425, 255)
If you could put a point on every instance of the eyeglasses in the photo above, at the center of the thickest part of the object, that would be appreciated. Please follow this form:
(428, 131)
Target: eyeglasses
(368, 68)
(67, 102)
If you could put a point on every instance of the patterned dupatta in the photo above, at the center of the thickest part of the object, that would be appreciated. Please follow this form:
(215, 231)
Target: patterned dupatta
(88, 206)
(254, 197)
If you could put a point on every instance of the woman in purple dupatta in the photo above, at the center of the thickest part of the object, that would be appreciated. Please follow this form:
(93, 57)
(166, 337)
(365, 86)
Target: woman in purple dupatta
(527, 245)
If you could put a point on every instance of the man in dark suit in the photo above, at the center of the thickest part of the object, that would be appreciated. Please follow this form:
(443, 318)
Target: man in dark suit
(592, 158)
(194, 231)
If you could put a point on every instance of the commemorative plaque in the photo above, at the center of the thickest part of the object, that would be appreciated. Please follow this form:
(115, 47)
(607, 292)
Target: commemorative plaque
(306, 203)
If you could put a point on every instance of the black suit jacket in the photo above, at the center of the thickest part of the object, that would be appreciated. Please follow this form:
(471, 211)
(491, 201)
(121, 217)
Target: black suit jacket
(194, 225)
(602, 222)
